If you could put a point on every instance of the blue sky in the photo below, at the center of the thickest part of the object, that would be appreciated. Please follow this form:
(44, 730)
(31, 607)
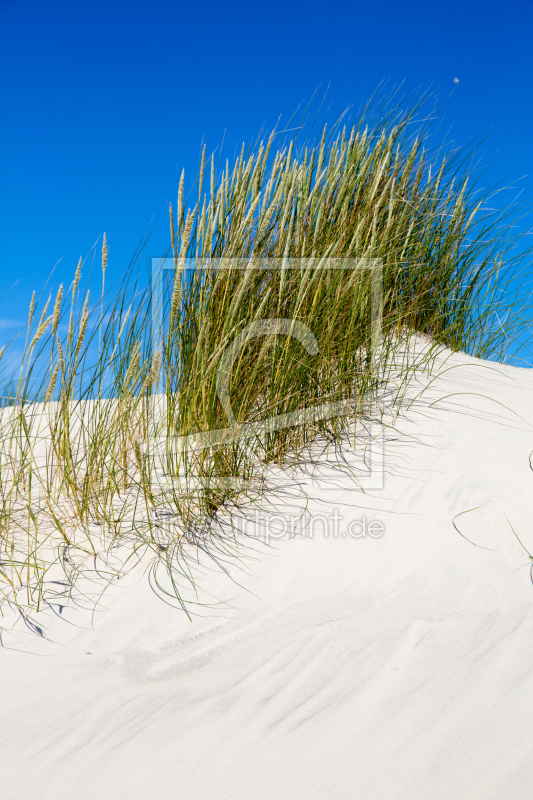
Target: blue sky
(105, 103)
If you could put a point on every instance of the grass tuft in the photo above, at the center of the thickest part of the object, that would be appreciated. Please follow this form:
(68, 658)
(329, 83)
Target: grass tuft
(108, 435)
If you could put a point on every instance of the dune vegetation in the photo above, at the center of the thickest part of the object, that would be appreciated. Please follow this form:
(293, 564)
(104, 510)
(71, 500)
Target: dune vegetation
(361, 235)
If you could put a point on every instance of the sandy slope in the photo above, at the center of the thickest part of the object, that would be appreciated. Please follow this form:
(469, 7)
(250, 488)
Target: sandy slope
(375, 668)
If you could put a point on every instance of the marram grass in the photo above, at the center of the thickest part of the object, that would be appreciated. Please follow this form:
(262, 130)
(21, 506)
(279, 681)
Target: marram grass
(79, 479)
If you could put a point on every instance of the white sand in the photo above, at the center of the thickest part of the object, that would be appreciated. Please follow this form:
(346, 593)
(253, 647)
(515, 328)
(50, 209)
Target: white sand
(374, 668)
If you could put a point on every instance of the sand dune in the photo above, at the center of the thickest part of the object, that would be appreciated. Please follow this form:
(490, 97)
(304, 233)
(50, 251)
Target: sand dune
(338, 666)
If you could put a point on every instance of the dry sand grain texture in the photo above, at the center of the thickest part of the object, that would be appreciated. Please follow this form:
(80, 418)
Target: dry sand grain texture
(338, 667)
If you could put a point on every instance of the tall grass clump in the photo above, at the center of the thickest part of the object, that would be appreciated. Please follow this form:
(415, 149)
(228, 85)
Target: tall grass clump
(138, 416)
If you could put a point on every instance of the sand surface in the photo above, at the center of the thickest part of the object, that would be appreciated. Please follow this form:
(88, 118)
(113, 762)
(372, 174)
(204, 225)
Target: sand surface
(380, 668)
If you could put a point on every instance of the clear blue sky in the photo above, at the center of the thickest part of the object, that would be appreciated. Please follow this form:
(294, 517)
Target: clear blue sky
(104, 103)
